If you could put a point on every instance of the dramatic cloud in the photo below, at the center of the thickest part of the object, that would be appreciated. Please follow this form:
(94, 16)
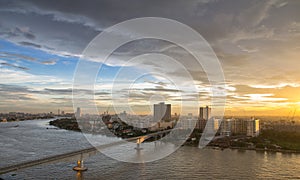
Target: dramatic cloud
(257, 43)
(10, 76)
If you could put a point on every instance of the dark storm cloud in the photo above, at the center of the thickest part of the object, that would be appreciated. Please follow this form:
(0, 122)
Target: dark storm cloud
(17, 31)
(237, 30)
(25, 32)
(77, 22)
(24, 43)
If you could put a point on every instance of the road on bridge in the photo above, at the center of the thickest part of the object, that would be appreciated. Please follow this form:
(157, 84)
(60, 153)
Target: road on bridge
(78, 154)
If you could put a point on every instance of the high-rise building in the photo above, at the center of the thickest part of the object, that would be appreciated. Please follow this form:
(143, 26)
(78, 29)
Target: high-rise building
(253, 127)
(226, 127)
(58, 112)
(162, 112)
(238, 126)
(230, 127)
(78, 112)
(204, 115)
(216, 124)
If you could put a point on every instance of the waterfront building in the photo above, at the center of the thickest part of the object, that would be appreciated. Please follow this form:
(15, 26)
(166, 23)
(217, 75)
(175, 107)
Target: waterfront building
(240, 127)
(252, 127)
(226, 127)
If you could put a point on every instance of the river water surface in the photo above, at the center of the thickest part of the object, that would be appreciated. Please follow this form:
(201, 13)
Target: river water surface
(36, 139)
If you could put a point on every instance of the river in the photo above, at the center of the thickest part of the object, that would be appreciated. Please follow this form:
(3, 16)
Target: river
(35, 139)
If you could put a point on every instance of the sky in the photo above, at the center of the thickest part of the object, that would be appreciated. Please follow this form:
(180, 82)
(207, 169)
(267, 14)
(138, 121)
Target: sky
(257, 43)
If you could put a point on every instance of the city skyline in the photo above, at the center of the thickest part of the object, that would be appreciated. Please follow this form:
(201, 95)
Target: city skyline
(150, 89)
(257, 44)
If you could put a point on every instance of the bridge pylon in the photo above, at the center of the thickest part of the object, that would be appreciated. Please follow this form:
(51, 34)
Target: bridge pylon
(138, 142)
(80, 166)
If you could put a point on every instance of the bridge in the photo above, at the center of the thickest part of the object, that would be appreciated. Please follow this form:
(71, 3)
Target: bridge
(80, 154)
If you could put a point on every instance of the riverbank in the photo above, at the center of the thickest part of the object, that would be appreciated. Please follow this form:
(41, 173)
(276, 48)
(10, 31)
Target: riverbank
(268, 140)
(119, 129)
(66, 123)
(212, 145)
(264, 142)
(267, 150)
